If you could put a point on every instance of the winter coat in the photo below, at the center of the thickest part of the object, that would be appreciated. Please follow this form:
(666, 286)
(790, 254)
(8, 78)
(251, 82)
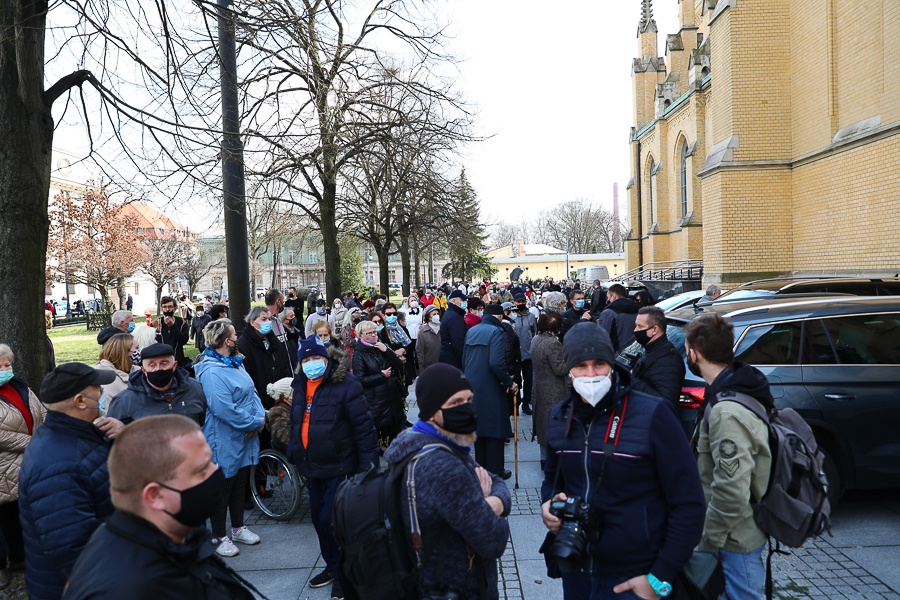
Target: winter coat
(735, 461)
(413, 321)
(279, 424)
(484, 363)
(383, 394)
(140, 400)
(649, 501)
(197, 326)
(128, 557)
(349, 341)
(63, 498)
(107, 332)
(337, 315)
(659, 371)
(550, 386)
(263, 365)
(342, 437)
(513, 351)
(598, 301)
(428, 347)
(233, 410)
(453, 516)
(570, 319)
(453, 336)
(311, 320)
(472, 320)
(618, 320)
(119, 384)
(176, 336)
(14, 437)
(526, 328)
(441, 302)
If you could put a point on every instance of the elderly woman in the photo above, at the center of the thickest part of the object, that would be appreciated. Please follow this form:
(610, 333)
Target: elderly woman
(348, 331)
(379, 370)
(326, 335)
(338, 312)
(20, 413)
(291, 333)
(549, 385)
(234, 418)
(554, 302)
(116, 355)
(428, 343)
(265, 357)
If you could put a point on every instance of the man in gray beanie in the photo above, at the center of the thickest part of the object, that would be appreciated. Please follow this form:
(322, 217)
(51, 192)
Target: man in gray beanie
(623, 453)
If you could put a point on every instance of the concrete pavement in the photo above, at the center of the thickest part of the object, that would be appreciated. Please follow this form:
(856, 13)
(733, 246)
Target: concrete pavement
(862, 560)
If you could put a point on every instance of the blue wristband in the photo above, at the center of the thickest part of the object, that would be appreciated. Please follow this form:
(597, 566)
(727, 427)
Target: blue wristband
(661, 588)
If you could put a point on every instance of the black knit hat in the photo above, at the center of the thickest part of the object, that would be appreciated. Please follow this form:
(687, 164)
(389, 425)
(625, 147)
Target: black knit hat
(586, 341)
(493, 309)
(435, 386)
(457, 294)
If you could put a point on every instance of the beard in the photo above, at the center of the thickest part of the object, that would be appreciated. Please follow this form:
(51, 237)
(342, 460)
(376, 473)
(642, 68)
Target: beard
(460, 439)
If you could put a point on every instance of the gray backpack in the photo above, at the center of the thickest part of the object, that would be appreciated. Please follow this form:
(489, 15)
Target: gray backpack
(795, 505)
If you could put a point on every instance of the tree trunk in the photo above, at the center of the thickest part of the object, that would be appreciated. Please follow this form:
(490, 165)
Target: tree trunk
(328, 229)
(381, 254)
(275, 253)
(417, 264)
(24, 224)
(404, 261)
(158, 298)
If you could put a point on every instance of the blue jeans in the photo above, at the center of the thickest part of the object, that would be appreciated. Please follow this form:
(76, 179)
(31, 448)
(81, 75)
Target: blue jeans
(578, 586)
(321, 503)
(745, 574)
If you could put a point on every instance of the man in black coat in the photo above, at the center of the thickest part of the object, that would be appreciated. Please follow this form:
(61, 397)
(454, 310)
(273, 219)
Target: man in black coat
(453, 330)
(619, 317)
(201, 320)
(173, 330)
(660, 369)
(154, 545)
(576, 314)
(598, 299)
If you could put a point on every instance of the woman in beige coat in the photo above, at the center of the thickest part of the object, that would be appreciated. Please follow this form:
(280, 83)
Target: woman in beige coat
(116, 356)
(20, 414)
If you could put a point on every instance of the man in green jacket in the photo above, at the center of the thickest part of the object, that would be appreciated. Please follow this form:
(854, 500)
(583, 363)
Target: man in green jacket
(733, 455)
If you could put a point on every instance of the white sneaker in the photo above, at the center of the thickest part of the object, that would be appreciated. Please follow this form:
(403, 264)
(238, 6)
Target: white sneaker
(227, 548)
(244, 536)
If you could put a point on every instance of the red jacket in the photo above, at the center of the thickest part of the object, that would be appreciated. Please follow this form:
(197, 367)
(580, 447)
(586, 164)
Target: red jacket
(426, 301)
(472, 320)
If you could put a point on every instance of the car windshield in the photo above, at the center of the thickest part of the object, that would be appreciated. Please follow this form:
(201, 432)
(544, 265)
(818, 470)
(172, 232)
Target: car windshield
(677, 301)
(740, 294)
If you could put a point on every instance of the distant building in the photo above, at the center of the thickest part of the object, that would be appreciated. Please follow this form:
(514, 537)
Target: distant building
(762, 141)
(540, 261)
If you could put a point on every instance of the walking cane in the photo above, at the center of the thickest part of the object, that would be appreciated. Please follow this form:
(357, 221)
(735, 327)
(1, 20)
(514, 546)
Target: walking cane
(516, 435)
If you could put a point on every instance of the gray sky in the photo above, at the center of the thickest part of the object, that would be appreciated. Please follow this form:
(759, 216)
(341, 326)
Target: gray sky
(553, 83)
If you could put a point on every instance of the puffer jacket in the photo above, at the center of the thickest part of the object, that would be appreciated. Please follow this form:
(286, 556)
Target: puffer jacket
(264, 365)
(140, 400)
(526, 328)
(341, 434)
(383, 394)
(14, 437)
(618, 320)
(233, 411)
(659, 371)
(63, 498)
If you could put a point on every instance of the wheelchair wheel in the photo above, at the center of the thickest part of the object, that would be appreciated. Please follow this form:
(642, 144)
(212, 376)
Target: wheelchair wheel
(276, 486)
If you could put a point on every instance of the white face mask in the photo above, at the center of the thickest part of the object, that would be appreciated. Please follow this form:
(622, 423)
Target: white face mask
(592, 389)
(413, 304)
(436, 319)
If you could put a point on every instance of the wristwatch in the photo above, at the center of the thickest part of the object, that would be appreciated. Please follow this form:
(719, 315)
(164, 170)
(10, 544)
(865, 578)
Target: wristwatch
(662, 588)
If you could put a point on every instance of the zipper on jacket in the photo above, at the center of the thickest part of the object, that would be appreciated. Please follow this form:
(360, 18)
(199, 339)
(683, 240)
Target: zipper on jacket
(587, 479)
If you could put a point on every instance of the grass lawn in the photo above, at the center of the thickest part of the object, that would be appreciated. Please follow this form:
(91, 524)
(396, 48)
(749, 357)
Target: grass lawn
(77, 344)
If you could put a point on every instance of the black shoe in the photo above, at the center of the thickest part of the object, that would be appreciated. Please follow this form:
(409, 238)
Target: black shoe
(321, 580)
(506, 474)
(526, 408)
(337, 590)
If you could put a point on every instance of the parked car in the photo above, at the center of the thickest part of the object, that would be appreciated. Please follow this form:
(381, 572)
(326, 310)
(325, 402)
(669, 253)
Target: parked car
(782, 286)
(836, 360)
(680, 300)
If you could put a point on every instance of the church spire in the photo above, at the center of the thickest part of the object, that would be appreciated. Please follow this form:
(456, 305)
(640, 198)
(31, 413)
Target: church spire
(647, 24)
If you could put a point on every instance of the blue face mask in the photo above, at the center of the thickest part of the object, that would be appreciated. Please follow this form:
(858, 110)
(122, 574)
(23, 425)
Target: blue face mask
(464, 305)
(131, 327)
(379, 328)
(314, 369)
(579, 303)
(5, 376)
(265, 327)
(320, 310)
(101, 402)
(391, 319)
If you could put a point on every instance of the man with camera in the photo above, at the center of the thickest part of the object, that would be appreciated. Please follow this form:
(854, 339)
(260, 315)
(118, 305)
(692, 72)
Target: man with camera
(621, 492)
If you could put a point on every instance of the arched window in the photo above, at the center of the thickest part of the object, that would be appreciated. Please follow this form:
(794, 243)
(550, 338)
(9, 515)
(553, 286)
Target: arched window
(685, 153)
(651, 171)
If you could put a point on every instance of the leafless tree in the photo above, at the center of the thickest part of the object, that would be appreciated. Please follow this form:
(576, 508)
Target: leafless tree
(196, 264)
(165, 256)
(585, 227)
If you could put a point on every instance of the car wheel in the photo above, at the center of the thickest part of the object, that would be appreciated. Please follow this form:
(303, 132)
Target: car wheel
(835, 483)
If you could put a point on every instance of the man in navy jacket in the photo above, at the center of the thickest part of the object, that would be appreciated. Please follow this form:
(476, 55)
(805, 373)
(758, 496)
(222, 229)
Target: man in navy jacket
(64, 483)
(623, 452)
(453, 330)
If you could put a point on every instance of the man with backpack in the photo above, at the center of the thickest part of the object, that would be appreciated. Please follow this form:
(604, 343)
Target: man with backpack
(455, 508)
(733, 455)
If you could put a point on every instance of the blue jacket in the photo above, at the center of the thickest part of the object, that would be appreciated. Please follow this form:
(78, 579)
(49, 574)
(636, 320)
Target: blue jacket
(453, 336)
(233, 410)
(140, 400)
(63, 498)
(342, 438)
(650, 505)
(484, 363)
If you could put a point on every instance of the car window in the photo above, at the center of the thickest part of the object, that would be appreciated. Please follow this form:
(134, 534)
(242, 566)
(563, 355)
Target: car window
(771, 344)
(820, 349)
(866, 339)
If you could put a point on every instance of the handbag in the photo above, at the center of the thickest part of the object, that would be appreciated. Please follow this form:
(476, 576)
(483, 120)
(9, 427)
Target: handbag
(702, 578)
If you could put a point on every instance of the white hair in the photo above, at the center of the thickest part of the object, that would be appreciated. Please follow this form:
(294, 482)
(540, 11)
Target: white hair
(119, 317)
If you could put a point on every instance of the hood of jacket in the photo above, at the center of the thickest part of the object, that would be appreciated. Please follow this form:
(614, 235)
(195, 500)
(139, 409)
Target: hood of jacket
(624, 305)
(744, 378)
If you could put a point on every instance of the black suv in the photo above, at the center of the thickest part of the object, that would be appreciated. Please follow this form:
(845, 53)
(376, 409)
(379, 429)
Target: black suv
(835, 360)
(769, 288)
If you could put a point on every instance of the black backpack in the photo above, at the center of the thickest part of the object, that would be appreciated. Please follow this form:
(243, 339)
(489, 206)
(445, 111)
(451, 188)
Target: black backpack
(795, 505)
(377, 561)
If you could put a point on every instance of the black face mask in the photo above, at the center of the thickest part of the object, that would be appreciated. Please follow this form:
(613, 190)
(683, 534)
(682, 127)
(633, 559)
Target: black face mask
(641, 336)
(460, 419)
(161, 378)
(198, 503)
(169, 313)
(522, 307)
(693, 367)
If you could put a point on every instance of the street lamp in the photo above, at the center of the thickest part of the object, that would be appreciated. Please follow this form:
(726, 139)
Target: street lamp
(546, 272)
(507, 273)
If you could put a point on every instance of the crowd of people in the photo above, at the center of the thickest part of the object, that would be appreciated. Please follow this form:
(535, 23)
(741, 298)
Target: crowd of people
(330, 390)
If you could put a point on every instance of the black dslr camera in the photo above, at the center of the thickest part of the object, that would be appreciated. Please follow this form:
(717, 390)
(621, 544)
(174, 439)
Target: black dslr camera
(577, 530)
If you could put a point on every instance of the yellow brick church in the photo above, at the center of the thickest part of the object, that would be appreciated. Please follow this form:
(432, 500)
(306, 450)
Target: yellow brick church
(764, 140)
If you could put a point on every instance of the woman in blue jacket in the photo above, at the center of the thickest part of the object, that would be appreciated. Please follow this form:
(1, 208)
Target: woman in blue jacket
(234, 417)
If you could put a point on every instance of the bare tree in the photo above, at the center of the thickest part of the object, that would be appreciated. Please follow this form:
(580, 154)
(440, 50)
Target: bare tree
(580, 225)
(165, 256)
(196, 264)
